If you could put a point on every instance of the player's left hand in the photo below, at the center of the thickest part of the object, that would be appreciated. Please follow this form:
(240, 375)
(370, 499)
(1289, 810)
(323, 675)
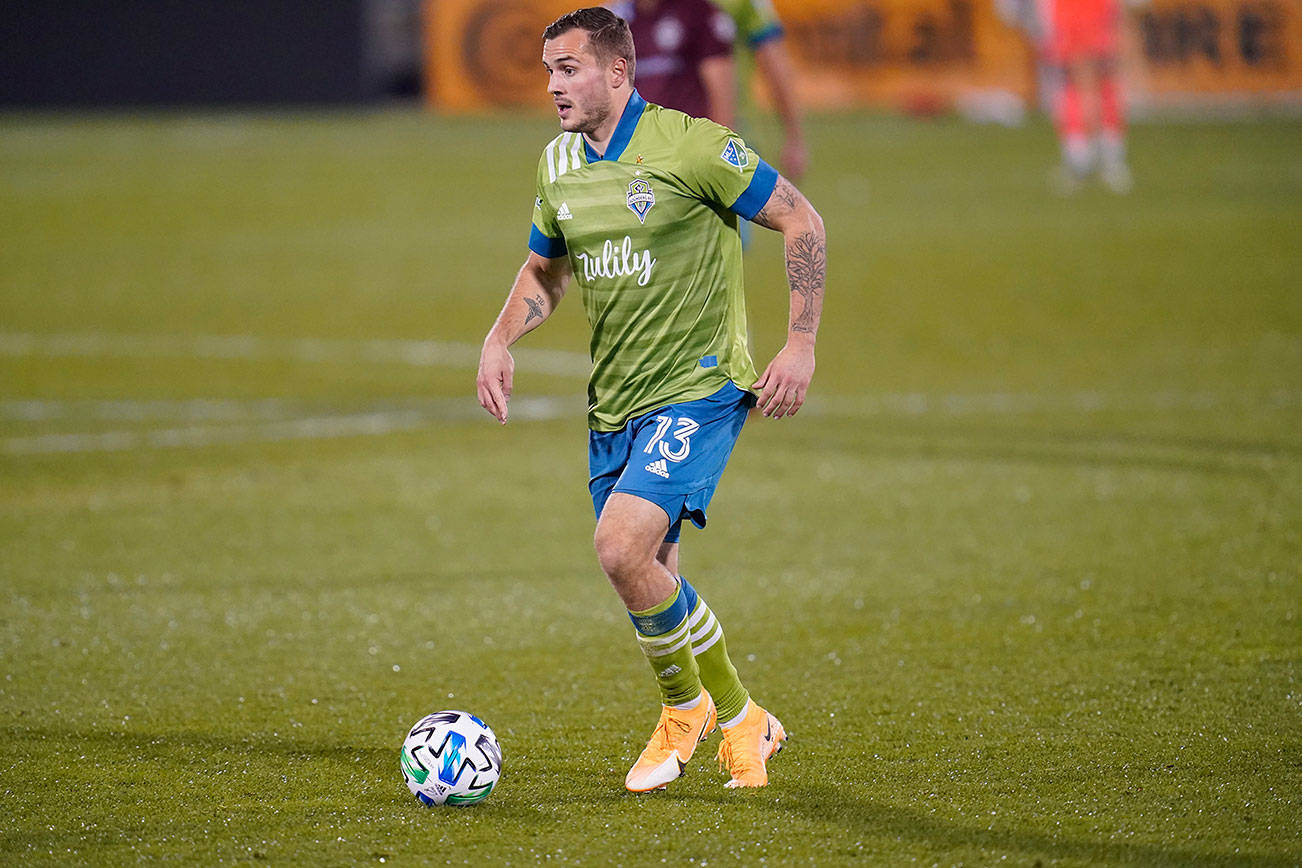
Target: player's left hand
(785, 382)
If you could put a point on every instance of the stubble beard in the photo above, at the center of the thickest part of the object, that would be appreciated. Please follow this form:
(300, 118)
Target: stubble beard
(590, 123)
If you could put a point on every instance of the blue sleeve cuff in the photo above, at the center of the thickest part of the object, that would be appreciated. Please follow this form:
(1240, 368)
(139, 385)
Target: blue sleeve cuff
(756, 196)
(544, 245)
(768, 34)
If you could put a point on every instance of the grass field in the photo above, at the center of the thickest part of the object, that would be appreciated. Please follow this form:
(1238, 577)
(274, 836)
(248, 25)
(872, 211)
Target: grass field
(1022, 582)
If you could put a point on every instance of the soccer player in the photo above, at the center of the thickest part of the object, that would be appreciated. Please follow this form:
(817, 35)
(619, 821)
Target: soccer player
(681, 46)
(1080, 44)
(684, 56)
(759, 28)
(639, 206)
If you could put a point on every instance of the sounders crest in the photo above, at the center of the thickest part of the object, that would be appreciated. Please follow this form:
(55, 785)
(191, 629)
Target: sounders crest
(640, 198)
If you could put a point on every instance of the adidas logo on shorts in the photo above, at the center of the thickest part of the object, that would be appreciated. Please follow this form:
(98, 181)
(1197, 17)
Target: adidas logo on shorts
(659, 468)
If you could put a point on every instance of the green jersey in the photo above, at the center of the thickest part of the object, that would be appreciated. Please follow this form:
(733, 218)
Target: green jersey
(757, 22)
(650, 230)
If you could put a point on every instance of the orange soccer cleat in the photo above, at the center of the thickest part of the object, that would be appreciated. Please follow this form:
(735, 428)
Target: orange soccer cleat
(671, 745)
(748, 746)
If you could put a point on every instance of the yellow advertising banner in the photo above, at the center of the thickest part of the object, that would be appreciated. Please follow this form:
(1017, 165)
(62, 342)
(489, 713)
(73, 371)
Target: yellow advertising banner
(485, 53)
(488, 53)
(921, 55)
(1179, 51)
(917, 54)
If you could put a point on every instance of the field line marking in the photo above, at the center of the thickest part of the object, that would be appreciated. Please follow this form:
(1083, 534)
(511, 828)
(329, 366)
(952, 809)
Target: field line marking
(234, 410)
(1016, 403)
(319, 427)
(234, 422)
(445, 354)
(565, 363)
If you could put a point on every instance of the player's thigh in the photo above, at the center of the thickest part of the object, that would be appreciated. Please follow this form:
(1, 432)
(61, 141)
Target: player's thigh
(630, 531)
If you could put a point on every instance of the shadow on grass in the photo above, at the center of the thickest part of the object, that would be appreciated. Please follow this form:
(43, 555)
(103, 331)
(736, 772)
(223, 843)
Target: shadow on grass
(865, 819)
(800, 804)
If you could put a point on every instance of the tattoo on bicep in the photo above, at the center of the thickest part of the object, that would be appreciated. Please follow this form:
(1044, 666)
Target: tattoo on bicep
(784, 194)
(781, 201)
(807, 273)
(535, 309)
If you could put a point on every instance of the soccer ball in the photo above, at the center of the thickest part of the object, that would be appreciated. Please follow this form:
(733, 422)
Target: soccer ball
(451, 757)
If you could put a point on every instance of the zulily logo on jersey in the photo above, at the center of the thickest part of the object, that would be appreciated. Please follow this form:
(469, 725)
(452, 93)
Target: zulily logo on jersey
(617, 260)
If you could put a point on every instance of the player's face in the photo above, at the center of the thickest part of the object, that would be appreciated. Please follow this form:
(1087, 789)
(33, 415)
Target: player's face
(577, 81)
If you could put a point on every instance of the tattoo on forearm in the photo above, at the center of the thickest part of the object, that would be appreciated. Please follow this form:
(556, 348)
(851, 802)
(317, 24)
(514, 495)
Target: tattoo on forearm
(782, 200)
(807, 273)
(535, 309)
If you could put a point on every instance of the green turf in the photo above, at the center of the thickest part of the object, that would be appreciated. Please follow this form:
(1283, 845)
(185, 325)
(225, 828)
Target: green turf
(1022, 582)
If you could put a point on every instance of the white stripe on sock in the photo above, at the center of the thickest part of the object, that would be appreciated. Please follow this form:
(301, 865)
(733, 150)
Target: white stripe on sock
(657, 651)
(705, 646)
(705, 629)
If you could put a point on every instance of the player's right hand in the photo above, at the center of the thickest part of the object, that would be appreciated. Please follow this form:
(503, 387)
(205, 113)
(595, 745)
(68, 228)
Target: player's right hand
(496, 373)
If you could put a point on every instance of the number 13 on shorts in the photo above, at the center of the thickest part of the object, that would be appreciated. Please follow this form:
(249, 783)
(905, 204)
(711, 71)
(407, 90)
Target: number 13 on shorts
(682, 433)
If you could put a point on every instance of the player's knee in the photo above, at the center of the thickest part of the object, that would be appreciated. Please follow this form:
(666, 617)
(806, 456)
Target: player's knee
(618, 553)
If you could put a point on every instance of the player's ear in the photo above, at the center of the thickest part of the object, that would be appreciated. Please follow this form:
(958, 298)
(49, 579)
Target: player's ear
(618, 72)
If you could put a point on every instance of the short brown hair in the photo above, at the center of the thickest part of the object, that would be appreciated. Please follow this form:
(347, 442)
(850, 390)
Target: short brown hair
(608, 34)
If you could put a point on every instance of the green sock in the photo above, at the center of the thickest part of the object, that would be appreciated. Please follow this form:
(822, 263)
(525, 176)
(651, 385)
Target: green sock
(664, 636)
(718, 675)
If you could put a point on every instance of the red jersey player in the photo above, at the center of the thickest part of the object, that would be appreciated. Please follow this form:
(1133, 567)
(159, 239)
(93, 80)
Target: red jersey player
(684, 56)
(1079, 43)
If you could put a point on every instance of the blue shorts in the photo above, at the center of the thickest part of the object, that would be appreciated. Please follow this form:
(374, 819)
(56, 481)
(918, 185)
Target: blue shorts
(672, 457)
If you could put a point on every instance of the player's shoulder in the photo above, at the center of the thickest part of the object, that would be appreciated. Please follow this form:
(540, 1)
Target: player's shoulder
(680, 126)
(694, 147)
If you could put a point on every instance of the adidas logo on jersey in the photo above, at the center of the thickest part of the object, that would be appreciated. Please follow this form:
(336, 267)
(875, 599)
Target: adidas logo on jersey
(563, 212)
(659, 468)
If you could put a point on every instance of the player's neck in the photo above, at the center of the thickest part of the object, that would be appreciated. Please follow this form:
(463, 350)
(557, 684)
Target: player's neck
(600, 138)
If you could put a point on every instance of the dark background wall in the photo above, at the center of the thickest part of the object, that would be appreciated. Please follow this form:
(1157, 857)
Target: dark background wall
(62, 53)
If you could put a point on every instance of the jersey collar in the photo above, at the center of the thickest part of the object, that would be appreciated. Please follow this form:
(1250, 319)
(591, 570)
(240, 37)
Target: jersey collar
(623, 131)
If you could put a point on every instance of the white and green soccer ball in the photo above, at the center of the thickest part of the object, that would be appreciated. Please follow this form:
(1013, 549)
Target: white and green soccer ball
(451, 758)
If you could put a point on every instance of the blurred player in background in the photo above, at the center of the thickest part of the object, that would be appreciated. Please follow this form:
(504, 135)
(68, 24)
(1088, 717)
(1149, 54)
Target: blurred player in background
(1079, 42)
(639, 205)
(760, 31)
(681, 64)
(684, 56)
